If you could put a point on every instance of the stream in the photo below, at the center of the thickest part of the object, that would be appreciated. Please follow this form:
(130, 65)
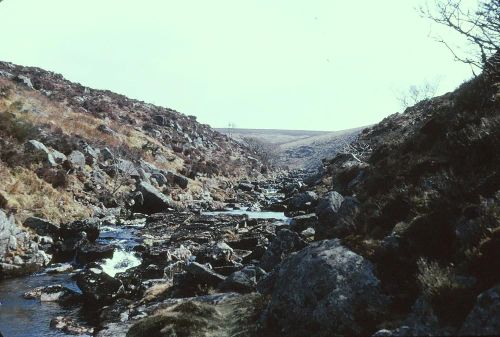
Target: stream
(20, 317)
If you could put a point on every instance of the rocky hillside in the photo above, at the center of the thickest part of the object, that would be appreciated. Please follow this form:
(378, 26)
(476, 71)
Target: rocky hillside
(68, 152)
(418, 196)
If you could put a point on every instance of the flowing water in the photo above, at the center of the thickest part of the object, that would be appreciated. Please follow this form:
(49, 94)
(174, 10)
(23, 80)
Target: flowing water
(31, 318)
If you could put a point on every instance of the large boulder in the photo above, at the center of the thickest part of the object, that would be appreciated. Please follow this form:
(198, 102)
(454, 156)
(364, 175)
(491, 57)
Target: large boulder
(91, 227)
(324, 290)
(484, 319)
(153, 201)
(42, 227)
(90, 252)
(336, 216)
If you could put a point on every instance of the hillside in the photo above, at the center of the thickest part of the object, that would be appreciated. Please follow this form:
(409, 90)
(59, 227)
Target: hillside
(418, 195)
(297, 149)
(67, 150)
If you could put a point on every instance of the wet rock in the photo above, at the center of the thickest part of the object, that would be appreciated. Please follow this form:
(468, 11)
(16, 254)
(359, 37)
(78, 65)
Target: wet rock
(70, 326)
(285, 243)
(59, 268)
(89, 226)
(42, 226)
(324, 287)
(53, 293)
(91, 252)
(154, 200)
(97, 286)
(484, 319)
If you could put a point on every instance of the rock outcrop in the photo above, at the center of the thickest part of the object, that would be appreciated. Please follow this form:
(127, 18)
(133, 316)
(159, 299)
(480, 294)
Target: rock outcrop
(19, 254)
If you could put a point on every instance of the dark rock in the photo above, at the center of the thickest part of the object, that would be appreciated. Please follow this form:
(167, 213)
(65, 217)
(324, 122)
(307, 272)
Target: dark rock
(484, 319)
(42, 227)
(336, 216)
(246, 187)
(247, 243)
(244, 280)
(285, 243)
(106, 154)
(303, 201)
(325, 288)
(90, 252)
(302, 222)
(203, 274)
(89, 226)
(97, 286)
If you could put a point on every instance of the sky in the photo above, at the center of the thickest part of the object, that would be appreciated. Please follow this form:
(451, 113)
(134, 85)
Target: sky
(274, 64)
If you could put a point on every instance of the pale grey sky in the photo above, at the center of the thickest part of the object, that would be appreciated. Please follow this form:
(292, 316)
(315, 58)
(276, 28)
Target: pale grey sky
(285, 64)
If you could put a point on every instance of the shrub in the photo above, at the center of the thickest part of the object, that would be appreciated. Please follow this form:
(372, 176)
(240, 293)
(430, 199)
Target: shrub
(450, 297)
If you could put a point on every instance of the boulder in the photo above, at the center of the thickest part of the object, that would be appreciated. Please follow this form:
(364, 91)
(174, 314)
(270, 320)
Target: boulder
(91, 252)
(97, 286)
(336, 216)
(70, 326)
(303, 201)
(244, 280)
(484, 319)
(106, 154)
(53, 293)
(91, 227)
(153, 200)
(204, 274)
(39, 152)
(285, 243)
(76, 160)
(42, 227)
(302, 222)
(325, 289)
